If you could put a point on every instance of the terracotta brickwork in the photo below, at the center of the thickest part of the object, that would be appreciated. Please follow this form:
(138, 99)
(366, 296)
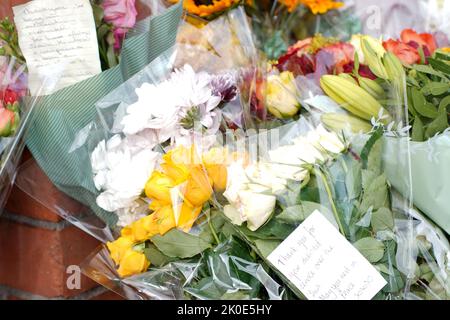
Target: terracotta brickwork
(37, 247)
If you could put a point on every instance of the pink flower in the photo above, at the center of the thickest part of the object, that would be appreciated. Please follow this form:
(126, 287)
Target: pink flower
(120, 13)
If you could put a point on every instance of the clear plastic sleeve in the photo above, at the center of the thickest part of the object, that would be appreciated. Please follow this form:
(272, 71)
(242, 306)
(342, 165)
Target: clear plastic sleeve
(16, 108)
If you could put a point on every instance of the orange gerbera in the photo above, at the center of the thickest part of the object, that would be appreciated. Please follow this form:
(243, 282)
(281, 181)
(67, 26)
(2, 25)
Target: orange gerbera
(321, 6)
(205, 8)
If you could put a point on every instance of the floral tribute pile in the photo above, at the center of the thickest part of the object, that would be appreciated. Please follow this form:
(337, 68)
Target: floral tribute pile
(219, 155)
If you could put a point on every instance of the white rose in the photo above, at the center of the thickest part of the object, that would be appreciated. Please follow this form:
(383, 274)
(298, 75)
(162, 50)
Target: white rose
(321, 138)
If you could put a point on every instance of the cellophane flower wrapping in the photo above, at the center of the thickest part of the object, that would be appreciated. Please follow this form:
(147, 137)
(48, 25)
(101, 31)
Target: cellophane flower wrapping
(165, 239)
(356, 177)
(16, 115)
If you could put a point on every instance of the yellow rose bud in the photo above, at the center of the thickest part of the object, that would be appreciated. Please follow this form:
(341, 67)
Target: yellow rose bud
(187, 217)
(282, 95)
(215, 161)
(133, 262)
(119, 247)
(164, 219)
(198, 189)
(144, 228)
(158, 187)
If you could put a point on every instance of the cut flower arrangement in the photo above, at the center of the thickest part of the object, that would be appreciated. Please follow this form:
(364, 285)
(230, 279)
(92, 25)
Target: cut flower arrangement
(199, 204)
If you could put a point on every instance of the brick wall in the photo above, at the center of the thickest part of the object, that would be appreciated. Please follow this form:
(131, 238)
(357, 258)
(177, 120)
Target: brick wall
(37, 247)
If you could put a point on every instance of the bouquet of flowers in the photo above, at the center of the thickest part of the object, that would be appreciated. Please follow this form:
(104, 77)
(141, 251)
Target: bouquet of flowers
(15, 107)
(318, 172)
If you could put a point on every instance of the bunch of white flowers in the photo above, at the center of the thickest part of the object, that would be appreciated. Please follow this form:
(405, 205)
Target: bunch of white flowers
(252, 190)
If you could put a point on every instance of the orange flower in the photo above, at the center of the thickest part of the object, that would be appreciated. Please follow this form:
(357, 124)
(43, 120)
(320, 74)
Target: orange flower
(406, 49)
(427, 40)
(406, 53)
(291, 5)
(321, 6)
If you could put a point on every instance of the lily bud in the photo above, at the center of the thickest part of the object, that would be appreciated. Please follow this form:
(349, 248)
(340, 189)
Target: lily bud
(373, 53)
(351, 97)
(372, 87)
(339, 122)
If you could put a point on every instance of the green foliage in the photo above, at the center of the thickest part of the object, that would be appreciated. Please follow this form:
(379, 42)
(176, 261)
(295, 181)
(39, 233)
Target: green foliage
(429, 97)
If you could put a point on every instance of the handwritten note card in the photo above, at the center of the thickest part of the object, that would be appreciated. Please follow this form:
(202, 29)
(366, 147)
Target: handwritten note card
(323, 265)
(59, 41)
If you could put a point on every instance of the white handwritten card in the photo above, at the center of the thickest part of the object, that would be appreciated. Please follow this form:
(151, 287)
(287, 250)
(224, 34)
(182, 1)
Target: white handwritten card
(59, 41)
(323, 265)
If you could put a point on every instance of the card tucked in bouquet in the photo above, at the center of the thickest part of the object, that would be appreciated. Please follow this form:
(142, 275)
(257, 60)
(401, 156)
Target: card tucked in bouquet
(59, 41)
(323, 265)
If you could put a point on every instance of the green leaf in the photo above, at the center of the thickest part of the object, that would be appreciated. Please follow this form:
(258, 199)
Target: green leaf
(266, 247)
(298, 213)
(376, 194)
(176, 243)
(156, 257)
(382, 219)
(372, 249)
(395, 282)
(421, 105)
(384, 268)
(428, 70)
(439, 65)
(418, 131)
(435, 88)
(369, 145)
(439, 124)
(445, 102)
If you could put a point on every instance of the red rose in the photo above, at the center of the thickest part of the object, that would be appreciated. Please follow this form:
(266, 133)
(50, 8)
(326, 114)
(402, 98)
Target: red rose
(10, 97)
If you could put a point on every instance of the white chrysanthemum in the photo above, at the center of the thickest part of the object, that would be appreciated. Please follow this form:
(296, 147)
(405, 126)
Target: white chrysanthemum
(172, 106)
(121, 167)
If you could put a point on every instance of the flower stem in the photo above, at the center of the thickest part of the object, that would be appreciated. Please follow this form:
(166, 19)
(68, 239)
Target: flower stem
(330, 198)
(216, 238)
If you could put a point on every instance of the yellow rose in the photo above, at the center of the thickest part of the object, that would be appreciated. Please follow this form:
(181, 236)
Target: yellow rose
(215, 161)
(158, 187)
(188, 215)
(282, 95)
(164, 219)
(198, 189)
(218, 174)
(133, 262)
(119, 247)
(144, 228)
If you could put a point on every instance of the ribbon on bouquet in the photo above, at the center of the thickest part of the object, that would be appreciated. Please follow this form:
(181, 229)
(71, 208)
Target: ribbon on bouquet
(61, 115)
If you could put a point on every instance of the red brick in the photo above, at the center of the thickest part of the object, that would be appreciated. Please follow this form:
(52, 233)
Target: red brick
(43, 192)
(35, 260)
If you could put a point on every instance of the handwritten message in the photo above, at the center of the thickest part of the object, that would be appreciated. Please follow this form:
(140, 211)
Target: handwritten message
(59, 41)
(323, 265)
